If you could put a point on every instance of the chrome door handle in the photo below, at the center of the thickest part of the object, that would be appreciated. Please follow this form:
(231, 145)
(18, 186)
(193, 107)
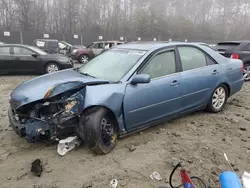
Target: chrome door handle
(175, 83)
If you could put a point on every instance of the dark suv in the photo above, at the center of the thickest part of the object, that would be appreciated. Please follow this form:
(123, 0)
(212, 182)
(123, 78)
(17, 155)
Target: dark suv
(48, 45)
(236, 50)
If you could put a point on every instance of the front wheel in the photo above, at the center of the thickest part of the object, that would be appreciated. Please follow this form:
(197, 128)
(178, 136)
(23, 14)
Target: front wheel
(100, 131)
(218, 100)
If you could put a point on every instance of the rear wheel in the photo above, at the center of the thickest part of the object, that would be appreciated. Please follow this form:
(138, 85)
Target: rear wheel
(51, 67)
(246, 73)
(218, 100)
(100, 131)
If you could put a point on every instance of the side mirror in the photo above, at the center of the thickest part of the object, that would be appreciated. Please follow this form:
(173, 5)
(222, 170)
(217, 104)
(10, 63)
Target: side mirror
(34, 55)
(140, 79)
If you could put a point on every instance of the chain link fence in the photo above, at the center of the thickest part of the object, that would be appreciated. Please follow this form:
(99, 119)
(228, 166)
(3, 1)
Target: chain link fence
(17, 37)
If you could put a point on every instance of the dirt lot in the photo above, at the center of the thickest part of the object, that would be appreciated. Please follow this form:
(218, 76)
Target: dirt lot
(199, 140)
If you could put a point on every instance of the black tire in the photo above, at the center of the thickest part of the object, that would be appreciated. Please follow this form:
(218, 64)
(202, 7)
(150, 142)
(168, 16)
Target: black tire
(49, 66)
(211, 107)
(247, 74)
(97, 139)
(83, 59)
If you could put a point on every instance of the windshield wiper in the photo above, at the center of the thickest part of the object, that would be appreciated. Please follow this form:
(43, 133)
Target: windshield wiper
(86, 74)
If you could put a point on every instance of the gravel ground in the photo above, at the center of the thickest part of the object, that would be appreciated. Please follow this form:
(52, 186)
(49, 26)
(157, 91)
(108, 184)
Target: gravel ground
(199, 139)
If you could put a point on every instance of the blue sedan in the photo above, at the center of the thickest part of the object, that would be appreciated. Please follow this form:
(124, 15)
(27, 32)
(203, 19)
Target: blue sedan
(123, 90)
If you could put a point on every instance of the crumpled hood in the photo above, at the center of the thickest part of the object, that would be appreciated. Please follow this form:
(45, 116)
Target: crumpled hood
(35, 89)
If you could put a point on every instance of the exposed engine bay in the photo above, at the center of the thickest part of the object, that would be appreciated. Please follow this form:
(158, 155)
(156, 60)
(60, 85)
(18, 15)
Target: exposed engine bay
(50, 119)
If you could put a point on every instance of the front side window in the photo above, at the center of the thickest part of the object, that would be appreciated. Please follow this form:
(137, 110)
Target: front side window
(113, 64)
(161, 65)
(22, 51)
(5, 50)
(192, 58)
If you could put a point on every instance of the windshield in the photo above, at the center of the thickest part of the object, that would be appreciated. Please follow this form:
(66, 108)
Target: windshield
(38, 50)
(112, 65)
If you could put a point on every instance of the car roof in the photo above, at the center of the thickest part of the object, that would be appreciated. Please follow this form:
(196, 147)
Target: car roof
(148, 45)
(239, 41)
(108, 41)
(15, 45)
(53, 40)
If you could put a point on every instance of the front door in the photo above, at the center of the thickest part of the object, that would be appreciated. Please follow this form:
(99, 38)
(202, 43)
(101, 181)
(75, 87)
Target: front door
(5, 59)
(199, 77)
(144, 103)
(24, 61)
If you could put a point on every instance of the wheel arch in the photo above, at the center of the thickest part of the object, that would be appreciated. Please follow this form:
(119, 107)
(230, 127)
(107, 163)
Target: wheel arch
(228, 88)
(94, 108)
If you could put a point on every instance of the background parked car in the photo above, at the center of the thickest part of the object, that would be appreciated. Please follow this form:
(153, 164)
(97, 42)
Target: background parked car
(47, 45)
(100, 46)
(236, 50)
(22, 58)
(77, 52)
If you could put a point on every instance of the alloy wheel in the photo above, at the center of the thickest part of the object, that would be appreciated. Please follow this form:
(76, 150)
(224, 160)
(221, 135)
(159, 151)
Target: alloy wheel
(246, 73)
(52, 68)
(219, 98)
(84, 59)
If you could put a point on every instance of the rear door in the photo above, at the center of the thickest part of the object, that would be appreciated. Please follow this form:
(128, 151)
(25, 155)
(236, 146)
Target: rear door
(226, 48)
(24, 61)
(200, 76)
(5, 59)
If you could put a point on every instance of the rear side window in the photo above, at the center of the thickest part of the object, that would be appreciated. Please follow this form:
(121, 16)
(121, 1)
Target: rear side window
(247, 48)
(192, 58)
(4, 50)
(22, 51)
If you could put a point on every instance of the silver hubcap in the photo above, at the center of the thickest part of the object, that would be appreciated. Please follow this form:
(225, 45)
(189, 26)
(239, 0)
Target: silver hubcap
(247, 73)
(219, 98)
(84, 59)
(52, 68)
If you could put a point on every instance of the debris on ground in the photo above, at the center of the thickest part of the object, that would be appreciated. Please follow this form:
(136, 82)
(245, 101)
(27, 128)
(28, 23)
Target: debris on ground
(21, 176)
(47, 169)
(68, 144)
(156, 176)
(88, 184)
(132, 148)
(113, 183)
(243, 128)
(36, 167)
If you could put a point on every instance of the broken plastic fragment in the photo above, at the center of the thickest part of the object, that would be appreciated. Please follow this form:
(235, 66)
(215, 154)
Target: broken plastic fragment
(156, 176)
(246, 180)
(113, 183)
(66, 145)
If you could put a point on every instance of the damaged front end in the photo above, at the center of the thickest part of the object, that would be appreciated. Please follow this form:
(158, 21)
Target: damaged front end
(54, 117)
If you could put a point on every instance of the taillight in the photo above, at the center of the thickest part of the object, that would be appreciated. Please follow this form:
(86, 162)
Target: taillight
(235, 56)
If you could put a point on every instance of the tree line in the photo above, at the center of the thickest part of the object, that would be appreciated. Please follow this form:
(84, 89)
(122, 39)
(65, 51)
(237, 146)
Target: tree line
(161, 19)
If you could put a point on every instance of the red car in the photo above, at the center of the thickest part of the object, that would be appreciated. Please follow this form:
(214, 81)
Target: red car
(82, 55)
